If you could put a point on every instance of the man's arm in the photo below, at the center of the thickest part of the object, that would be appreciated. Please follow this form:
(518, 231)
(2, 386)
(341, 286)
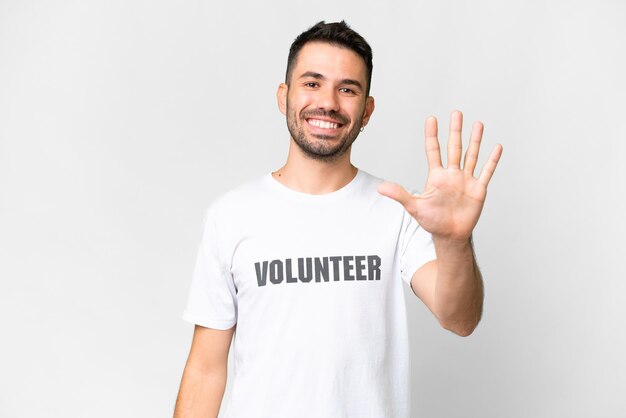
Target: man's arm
(449, 209)
(204, 378)
(452, 287)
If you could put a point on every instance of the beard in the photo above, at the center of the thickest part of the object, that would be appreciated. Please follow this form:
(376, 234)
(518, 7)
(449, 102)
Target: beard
(320, 148)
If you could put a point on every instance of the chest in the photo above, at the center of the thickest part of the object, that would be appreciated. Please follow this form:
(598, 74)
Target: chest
(303, 250)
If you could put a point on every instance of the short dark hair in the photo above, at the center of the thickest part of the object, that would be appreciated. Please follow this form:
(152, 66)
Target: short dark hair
(338, 34)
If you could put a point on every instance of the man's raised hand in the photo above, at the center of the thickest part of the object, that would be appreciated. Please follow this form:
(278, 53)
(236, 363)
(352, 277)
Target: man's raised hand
(453, 198)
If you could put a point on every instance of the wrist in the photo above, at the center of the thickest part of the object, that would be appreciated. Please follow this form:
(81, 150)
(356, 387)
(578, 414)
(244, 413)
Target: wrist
(451, 242)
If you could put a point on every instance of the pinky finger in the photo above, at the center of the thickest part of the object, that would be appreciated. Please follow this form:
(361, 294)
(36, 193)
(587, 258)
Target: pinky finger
(490, 165)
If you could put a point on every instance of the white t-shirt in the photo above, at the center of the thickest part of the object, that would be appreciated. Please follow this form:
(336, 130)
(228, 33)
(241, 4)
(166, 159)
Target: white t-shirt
(313, 284)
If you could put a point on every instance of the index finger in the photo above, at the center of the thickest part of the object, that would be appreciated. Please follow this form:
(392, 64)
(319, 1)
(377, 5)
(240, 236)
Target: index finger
(490, 165)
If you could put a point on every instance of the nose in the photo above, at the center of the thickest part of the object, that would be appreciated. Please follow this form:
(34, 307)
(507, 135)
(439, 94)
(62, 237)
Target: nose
(327, 99)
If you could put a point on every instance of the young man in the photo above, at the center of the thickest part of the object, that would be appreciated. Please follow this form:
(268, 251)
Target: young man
(305, 263)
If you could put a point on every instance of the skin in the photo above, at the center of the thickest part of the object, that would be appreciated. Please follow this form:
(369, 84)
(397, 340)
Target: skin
(322, 86)
(343, 105)
(449, 209)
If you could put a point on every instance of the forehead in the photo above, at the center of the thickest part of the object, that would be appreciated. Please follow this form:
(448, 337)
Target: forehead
(331, 61)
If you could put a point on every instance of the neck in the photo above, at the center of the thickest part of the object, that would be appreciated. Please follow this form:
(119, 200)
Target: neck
(307, 175)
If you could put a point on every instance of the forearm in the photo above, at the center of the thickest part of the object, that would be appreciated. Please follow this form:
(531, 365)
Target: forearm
(200, 393)
(459, 287)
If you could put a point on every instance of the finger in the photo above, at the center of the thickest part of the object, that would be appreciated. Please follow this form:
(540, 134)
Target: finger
(490, 165)
(471, 155)
(395, 192)
(433, 152)
(454, 141)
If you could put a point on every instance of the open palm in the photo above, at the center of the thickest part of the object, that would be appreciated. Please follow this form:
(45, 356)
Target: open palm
(453, 198)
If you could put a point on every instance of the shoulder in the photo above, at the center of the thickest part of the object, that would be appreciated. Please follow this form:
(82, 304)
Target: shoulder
(390, 209)
(369, 180)
(372, 182)
(240, 197)
(368, 187)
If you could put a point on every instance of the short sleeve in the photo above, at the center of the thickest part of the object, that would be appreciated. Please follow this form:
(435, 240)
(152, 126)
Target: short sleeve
(417, 247)
(212, 298)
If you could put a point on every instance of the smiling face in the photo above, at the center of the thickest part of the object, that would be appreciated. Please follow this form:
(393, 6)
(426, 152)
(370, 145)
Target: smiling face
(325, 102)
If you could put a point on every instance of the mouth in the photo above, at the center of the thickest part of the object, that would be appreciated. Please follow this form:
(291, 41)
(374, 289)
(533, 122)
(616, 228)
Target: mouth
(324, 124)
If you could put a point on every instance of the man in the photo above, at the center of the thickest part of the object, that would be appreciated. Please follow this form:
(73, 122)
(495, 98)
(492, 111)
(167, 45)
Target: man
(305, 263)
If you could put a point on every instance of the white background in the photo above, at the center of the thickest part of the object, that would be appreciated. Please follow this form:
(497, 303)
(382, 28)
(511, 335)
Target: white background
(120, 121)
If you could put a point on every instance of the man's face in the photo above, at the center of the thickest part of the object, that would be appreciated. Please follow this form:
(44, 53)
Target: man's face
(325, 103)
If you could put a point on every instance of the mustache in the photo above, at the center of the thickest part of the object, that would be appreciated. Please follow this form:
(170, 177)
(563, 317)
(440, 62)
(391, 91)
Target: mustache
(336, 117)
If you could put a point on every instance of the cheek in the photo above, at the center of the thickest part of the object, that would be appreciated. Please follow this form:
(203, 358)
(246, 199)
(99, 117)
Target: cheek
(356, 113)
(301, 100)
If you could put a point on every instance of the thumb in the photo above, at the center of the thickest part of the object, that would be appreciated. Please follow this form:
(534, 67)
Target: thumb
(395, 192)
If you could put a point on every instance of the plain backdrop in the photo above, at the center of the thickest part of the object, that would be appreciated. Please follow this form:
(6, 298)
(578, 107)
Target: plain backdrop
(120, 121)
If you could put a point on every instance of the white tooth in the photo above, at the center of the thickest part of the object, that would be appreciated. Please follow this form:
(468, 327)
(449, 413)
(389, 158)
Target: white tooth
(323, 124)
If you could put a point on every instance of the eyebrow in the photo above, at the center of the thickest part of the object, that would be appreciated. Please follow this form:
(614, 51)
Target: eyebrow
(319, 76)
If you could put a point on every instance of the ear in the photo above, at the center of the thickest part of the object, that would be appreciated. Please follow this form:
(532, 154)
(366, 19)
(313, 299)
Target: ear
(369, 109)
(281, 97)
